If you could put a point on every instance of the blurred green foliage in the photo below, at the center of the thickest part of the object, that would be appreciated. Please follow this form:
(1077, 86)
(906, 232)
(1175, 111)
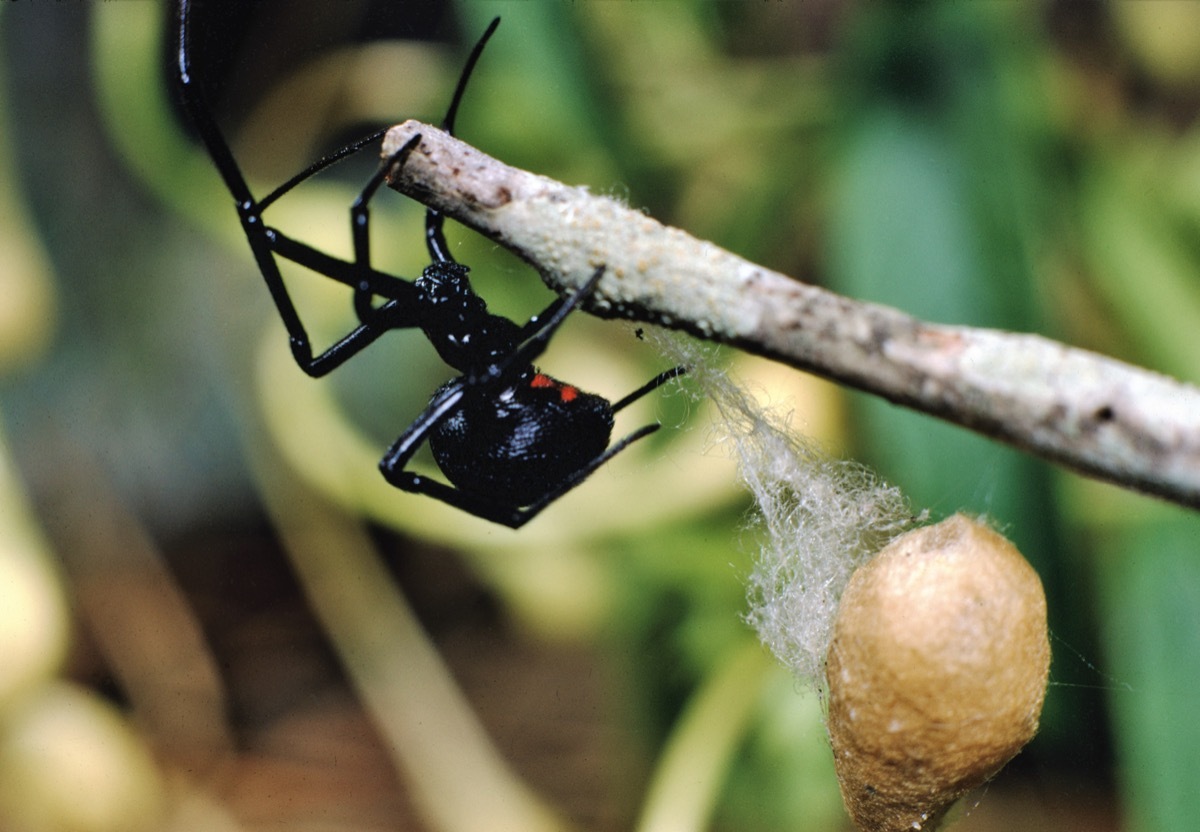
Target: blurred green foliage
(1031, 166)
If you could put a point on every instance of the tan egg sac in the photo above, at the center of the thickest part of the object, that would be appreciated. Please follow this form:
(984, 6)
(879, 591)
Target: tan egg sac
(937, 671)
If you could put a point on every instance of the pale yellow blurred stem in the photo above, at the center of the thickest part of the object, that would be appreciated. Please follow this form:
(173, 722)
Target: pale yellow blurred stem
(698, 754)
(457, 778)
(137, 614)
(34, 611)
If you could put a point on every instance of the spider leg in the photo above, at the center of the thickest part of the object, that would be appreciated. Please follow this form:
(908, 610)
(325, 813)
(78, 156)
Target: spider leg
(498, 512)
(435, 239)
(263, 241)
(653, 384)
(320, 165)
(360, 230)
(537, 335)
(535, 323)
(541, 327)
(468, 68)
(402, 450)
(379, 283)
(525, 514)
(396, 313)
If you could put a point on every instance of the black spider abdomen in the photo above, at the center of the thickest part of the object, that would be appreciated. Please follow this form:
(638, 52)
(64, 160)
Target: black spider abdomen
(524, 442)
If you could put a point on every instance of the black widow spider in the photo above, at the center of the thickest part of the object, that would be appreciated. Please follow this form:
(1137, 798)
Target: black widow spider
(510, 439)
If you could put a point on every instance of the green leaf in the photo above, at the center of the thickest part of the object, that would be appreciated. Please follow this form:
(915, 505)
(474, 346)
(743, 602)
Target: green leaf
(1150, 590)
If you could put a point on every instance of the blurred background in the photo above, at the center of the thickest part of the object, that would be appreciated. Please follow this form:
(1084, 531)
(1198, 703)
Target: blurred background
(215, 615)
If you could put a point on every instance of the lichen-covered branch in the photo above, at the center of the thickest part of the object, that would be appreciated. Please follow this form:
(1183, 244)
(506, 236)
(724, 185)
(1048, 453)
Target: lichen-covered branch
(1091, 413)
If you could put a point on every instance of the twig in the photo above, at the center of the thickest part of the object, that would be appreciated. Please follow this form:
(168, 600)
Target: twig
(1094, 414)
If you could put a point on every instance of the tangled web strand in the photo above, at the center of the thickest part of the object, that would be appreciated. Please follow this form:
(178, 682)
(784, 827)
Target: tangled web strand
(818, 518)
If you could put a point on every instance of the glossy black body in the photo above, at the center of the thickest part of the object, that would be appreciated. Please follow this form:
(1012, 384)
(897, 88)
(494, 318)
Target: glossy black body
(509, 439)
